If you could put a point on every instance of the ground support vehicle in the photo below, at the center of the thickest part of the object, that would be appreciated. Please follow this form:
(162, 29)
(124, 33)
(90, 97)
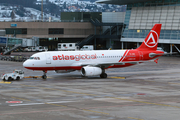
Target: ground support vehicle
(16, 75)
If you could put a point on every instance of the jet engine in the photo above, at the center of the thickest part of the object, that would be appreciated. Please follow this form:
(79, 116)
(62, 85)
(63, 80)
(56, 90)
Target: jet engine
(64, 71)
(91, 71)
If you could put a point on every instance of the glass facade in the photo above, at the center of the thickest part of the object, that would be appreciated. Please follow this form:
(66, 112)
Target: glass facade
(80, 16)
(13, 41)
(16, 31)
(140, 18)
(56, 30)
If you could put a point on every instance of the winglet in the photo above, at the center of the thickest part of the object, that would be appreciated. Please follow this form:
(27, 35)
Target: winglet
(151, 41)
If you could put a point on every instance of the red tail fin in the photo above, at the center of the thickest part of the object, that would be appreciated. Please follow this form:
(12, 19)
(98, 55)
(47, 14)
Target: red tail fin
(151, 41)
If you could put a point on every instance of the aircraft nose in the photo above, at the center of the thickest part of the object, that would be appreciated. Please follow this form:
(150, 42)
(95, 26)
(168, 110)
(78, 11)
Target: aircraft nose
(25, 64)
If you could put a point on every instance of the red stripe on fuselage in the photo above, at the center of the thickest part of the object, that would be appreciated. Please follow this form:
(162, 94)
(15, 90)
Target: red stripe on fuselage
(55, 68)
(123, 56)
(73, 67)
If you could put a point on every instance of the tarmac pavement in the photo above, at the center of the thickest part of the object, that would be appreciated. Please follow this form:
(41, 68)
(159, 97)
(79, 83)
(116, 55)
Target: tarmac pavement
(147, 91)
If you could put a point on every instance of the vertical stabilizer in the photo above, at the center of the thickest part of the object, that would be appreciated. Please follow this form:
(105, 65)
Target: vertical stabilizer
(151, 41)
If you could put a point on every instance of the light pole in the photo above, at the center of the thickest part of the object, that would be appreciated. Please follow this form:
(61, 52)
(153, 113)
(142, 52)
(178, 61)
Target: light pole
(42, 10)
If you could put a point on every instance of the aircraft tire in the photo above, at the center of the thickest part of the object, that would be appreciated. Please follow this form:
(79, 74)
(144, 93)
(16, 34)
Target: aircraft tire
(9, 78)
(44, 77)
(103, 75)
(18, 78)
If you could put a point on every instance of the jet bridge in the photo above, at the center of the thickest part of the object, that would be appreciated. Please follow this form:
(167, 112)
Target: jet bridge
(12, 44)
(13, 48)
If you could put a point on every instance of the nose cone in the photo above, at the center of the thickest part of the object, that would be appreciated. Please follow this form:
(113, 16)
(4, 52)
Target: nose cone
(25, 64)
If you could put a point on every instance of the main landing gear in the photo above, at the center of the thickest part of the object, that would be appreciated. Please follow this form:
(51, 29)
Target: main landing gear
(103, 74)
(44, 76)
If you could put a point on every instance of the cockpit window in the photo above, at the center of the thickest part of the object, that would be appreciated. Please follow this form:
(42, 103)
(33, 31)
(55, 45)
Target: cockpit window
(34, 58)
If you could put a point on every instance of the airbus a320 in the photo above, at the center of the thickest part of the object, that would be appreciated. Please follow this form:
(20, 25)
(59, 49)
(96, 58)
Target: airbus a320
(93, 63)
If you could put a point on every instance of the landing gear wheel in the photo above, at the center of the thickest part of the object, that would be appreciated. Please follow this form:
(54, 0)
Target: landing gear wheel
(103, 75)
(44, 77)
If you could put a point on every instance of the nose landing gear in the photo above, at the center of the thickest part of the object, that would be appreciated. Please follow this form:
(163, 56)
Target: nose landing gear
(44, 75)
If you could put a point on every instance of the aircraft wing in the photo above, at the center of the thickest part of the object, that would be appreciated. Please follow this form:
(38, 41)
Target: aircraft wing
(107, 64)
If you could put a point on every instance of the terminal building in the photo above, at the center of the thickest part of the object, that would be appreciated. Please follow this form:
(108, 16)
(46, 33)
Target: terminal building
(103, 30)
(140, 17)
(49, 33)
(114, 30)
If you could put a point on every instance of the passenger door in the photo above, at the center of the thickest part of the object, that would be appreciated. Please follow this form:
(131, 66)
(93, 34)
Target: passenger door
(48, 58)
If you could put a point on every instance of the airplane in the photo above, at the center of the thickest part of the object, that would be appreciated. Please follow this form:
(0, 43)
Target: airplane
(95, 62)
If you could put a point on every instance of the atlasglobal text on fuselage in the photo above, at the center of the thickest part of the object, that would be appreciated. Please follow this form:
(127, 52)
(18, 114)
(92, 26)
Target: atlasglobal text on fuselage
(93, 63)
(74, 57)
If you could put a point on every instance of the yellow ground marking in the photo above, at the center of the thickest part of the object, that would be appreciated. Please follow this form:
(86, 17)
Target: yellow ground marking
(55, 105)
(96, 112)
(20, 98)
(3, 82)
(108, 97)
(150, 81)
(174, 83)
(135, 118)
(35, 77)
(118, 77)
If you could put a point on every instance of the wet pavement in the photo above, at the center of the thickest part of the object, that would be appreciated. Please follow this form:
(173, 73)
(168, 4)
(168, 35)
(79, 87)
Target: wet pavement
(147, 91)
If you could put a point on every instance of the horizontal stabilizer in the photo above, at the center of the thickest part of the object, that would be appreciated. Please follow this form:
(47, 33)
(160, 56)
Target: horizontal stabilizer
(155, 54)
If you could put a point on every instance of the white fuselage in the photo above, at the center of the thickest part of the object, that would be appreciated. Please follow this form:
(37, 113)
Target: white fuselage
(65, 60)
(95, 62)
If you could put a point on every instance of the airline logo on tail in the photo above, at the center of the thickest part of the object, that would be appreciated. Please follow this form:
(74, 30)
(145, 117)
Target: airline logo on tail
(152, 40)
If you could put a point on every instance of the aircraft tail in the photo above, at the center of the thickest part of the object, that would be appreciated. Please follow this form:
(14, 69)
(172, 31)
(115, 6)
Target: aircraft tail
(151, 41)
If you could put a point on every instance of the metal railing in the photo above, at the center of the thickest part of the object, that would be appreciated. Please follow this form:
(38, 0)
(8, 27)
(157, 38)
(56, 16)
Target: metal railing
(15, 47)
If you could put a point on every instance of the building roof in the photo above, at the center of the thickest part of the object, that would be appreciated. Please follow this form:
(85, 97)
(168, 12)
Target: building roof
(121, 2)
